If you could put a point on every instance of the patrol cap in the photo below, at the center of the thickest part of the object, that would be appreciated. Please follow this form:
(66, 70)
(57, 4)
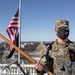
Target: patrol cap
(60, 23)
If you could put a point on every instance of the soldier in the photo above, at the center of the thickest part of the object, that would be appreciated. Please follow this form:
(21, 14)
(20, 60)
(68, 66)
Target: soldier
(63, 50)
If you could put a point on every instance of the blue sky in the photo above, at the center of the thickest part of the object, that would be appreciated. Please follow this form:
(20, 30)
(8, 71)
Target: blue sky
(38, 18)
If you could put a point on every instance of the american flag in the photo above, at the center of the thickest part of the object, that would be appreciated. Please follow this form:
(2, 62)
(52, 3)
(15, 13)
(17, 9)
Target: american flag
(12, 31)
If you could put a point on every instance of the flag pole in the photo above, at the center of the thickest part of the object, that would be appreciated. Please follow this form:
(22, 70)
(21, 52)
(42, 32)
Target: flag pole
(20, 5)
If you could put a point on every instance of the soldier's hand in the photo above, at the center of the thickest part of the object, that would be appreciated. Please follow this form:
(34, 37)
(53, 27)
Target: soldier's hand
(39, 66)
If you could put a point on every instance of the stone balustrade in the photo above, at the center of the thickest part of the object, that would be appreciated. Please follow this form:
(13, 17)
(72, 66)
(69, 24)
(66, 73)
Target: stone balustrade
(28, 68)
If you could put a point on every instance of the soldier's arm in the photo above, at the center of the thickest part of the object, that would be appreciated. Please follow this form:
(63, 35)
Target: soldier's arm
(40, 65)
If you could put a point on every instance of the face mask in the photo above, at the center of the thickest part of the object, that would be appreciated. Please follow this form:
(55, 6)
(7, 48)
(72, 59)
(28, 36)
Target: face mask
(63, 34)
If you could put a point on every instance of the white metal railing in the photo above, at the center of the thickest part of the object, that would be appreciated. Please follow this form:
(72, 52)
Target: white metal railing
(14, 69)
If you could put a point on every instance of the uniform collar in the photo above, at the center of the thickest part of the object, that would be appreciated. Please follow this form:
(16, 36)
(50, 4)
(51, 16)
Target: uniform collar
(67, 43)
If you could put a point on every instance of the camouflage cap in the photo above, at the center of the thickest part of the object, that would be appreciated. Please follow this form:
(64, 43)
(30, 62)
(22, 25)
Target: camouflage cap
(60, 23)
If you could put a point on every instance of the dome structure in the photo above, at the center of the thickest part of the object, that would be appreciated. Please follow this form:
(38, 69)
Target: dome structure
(41, 49)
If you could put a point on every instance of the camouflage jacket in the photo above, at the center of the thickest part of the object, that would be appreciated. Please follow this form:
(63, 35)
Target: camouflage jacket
(60, 53)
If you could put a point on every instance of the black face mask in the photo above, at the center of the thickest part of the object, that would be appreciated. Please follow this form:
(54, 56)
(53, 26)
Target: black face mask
(63, 34)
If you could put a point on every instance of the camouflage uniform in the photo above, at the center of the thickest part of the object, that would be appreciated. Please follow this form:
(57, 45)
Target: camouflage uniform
(61, 53)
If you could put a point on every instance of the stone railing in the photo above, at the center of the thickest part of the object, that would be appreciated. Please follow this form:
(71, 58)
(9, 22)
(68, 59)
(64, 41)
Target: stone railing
(13, 69)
